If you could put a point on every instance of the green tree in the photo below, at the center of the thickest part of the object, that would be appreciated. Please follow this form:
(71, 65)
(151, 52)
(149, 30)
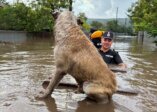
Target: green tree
(83, 18)
(21, 17)
(13, 17)
(112, 25)
(19, 13)
(39, 20)
(143, 15)
(115, 27)
(40, 17)
(33, 18)
(97, 25)
(54, 5)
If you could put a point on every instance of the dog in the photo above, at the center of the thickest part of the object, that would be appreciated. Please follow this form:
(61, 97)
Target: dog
(76, 55)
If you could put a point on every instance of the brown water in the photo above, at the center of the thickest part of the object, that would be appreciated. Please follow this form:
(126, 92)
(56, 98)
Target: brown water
(23, 67)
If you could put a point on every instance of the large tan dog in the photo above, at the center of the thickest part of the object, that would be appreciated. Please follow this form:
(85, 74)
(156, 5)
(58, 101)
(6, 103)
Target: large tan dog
(77, 56)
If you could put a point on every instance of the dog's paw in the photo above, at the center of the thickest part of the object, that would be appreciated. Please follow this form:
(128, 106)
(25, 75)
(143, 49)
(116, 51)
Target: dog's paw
(78, 91)
(42, 94)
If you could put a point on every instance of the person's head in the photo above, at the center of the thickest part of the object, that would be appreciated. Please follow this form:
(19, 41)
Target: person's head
(96, 38)
(107, 40)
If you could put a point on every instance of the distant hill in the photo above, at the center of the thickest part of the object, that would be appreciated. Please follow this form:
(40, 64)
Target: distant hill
(121, 21)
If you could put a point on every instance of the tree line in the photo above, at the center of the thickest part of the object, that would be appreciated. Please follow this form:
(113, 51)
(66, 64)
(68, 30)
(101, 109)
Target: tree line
(33, 17)
(36, 17)
(114, 26)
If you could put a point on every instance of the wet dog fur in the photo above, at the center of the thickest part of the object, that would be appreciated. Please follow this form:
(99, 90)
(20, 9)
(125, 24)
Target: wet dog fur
(76, 55)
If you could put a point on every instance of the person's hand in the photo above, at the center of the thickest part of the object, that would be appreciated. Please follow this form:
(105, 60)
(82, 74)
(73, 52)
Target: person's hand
(122, 66)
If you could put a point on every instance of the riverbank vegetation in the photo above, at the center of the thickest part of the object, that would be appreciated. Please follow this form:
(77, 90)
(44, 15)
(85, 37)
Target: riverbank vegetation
(114, 26)
(33, 17)
(144, 17)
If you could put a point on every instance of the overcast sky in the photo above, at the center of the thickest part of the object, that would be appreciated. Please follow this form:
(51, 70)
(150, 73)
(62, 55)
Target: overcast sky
(103, 8)
(100, 8)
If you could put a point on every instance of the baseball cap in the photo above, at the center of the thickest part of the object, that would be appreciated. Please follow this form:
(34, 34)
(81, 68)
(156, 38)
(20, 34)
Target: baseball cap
(108, 34)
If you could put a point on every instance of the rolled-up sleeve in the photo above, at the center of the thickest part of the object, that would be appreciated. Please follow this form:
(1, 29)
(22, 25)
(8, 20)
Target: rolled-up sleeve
(117, 58)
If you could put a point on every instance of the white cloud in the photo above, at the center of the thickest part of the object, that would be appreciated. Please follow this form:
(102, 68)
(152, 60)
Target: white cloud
(102, 8)
(92, 8)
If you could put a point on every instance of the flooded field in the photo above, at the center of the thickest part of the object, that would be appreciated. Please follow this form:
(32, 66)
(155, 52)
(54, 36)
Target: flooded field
(24, 65)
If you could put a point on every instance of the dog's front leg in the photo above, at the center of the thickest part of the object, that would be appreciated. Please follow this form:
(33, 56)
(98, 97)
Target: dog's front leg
(53, 83)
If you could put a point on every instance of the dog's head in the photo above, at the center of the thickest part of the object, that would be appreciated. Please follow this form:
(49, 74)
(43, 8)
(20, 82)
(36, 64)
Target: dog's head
(56, 14)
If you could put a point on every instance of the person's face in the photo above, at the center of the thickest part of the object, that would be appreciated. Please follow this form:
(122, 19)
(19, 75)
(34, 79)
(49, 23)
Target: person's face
(106, 43)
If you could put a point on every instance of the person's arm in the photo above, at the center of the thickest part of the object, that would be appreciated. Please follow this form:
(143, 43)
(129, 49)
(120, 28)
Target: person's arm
(120, 62)
(122, 65)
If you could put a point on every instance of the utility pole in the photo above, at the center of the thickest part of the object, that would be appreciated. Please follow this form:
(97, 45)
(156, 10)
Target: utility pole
(125, 27)
(70, 7)
(116, 20)
(116, 15)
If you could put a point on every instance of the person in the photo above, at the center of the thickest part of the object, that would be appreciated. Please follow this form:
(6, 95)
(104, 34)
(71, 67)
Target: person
(111, 57)
(96, 38)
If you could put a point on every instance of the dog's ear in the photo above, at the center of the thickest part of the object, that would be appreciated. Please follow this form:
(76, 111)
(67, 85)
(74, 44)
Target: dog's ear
(79, 21)
(55, 14)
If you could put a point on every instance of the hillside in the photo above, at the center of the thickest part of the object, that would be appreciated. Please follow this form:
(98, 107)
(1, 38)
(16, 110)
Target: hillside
(121, 21)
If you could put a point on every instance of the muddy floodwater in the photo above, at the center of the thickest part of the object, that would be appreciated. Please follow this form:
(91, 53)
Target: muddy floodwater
(25, 64)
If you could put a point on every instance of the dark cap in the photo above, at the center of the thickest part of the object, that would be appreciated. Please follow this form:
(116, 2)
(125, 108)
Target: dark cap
(108, 35)
(92, 30)
(79, 21)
